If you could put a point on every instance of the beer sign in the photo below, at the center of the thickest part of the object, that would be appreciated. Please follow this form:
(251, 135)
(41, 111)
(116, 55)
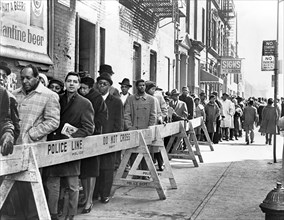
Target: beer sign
(23, 29)
(231, 66)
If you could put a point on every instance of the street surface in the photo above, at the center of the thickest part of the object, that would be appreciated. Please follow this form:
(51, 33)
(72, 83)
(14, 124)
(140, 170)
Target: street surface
(230, 184)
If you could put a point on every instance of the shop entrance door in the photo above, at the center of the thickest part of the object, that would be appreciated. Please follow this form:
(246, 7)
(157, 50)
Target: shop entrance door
(86, 51)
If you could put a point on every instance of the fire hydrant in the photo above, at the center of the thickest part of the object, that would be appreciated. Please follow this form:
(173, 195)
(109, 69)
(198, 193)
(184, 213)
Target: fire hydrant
(273, 205)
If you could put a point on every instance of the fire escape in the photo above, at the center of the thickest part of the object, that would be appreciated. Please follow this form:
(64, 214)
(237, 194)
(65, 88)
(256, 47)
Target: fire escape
(228, 14)
(170, 11)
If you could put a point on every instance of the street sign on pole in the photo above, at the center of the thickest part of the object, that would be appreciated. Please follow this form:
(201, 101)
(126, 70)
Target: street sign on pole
(269, 51)
(268, 63)
(269, 47)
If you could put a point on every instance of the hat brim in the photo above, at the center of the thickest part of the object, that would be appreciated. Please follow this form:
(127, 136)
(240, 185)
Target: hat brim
(125, 84)
(7, 69)
(175, 94)
(104, 78)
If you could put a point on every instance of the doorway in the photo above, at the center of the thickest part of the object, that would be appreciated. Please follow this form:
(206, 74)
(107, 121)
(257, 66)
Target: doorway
(86, 49)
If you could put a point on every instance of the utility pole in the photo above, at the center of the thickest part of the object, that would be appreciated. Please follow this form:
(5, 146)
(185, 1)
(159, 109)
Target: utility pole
(276, 80)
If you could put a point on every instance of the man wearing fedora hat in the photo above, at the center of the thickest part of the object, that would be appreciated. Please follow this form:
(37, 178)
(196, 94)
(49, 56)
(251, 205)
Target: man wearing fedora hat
(114, 123)
(179, 106)
(124, 86)
(105, 68)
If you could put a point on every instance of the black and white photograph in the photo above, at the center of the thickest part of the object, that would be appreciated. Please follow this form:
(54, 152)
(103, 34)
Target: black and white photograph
(141, 109)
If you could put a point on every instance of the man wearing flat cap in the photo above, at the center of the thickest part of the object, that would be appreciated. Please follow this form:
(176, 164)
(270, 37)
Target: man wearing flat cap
(124, 86)
(113, 124)
(105, 68)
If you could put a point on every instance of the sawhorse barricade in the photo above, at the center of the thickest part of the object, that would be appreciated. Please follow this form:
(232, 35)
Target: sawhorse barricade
(23, 165)
(180, 144)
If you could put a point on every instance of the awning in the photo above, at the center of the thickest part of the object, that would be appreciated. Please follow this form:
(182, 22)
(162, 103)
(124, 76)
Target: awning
(206, 77)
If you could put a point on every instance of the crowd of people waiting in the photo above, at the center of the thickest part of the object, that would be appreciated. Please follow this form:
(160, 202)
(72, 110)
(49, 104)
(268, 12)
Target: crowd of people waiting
(41, 109)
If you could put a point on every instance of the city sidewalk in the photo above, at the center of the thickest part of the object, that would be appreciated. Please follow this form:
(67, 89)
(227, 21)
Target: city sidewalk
(230, 184)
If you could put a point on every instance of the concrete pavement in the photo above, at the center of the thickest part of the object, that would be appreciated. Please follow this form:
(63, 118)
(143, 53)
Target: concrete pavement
(230, 184)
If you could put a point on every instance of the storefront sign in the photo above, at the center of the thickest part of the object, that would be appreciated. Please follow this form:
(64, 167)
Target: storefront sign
(231, 66)
(23, 26)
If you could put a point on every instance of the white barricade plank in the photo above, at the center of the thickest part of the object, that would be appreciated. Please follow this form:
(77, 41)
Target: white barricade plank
(5, 188)
(61, 151)
(192, 137)
(209, 141)
(37, 189)
(16, 162)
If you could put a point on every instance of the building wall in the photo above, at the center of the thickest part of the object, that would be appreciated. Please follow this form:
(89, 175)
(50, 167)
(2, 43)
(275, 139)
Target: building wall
(64, 39)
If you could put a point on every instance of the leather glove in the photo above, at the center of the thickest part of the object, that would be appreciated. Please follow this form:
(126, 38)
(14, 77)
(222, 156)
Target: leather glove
(6, 144)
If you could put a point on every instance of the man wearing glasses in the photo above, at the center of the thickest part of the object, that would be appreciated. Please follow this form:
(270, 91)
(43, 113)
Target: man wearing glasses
(113, 124)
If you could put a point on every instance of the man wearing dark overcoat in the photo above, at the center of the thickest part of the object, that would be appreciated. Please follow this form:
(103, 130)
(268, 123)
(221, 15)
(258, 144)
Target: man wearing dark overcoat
(78, 112)
(113, 124)
(185, 97)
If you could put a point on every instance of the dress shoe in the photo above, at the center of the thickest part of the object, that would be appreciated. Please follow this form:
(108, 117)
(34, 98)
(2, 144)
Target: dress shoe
(105, 200)
(84, 211)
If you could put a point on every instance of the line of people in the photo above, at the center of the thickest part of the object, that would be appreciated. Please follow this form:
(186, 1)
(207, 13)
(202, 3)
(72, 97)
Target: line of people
(40, 110)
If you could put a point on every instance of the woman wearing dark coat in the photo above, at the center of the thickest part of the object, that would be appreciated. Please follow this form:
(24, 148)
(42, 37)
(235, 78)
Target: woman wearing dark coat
(90, 166)
(270, 117)
(78, 112)
(212, 112)
(237, 118)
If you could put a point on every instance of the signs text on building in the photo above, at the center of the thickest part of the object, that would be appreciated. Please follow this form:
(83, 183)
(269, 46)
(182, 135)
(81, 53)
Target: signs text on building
(23, 25)
(231, 66)
(267, 63)
(269, 48)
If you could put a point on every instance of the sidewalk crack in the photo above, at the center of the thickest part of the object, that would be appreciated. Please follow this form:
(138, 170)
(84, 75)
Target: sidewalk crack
(207, 198)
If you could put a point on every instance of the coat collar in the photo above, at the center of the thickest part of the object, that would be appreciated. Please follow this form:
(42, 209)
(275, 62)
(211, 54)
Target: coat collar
(143, 97)
(64, 101)
(39, 89)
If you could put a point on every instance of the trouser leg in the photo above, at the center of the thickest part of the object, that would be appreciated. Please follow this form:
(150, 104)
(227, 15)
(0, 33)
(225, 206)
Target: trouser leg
(252, 135)
(231, 133)
(53, 190)
(247, 136)
(107, 176)
(73, 191)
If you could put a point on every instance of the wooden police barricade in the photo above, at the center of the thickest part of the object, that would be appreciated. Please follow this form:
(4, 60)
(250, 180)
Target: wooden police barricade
(153, 139)
(174, 148)
(24, 163)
